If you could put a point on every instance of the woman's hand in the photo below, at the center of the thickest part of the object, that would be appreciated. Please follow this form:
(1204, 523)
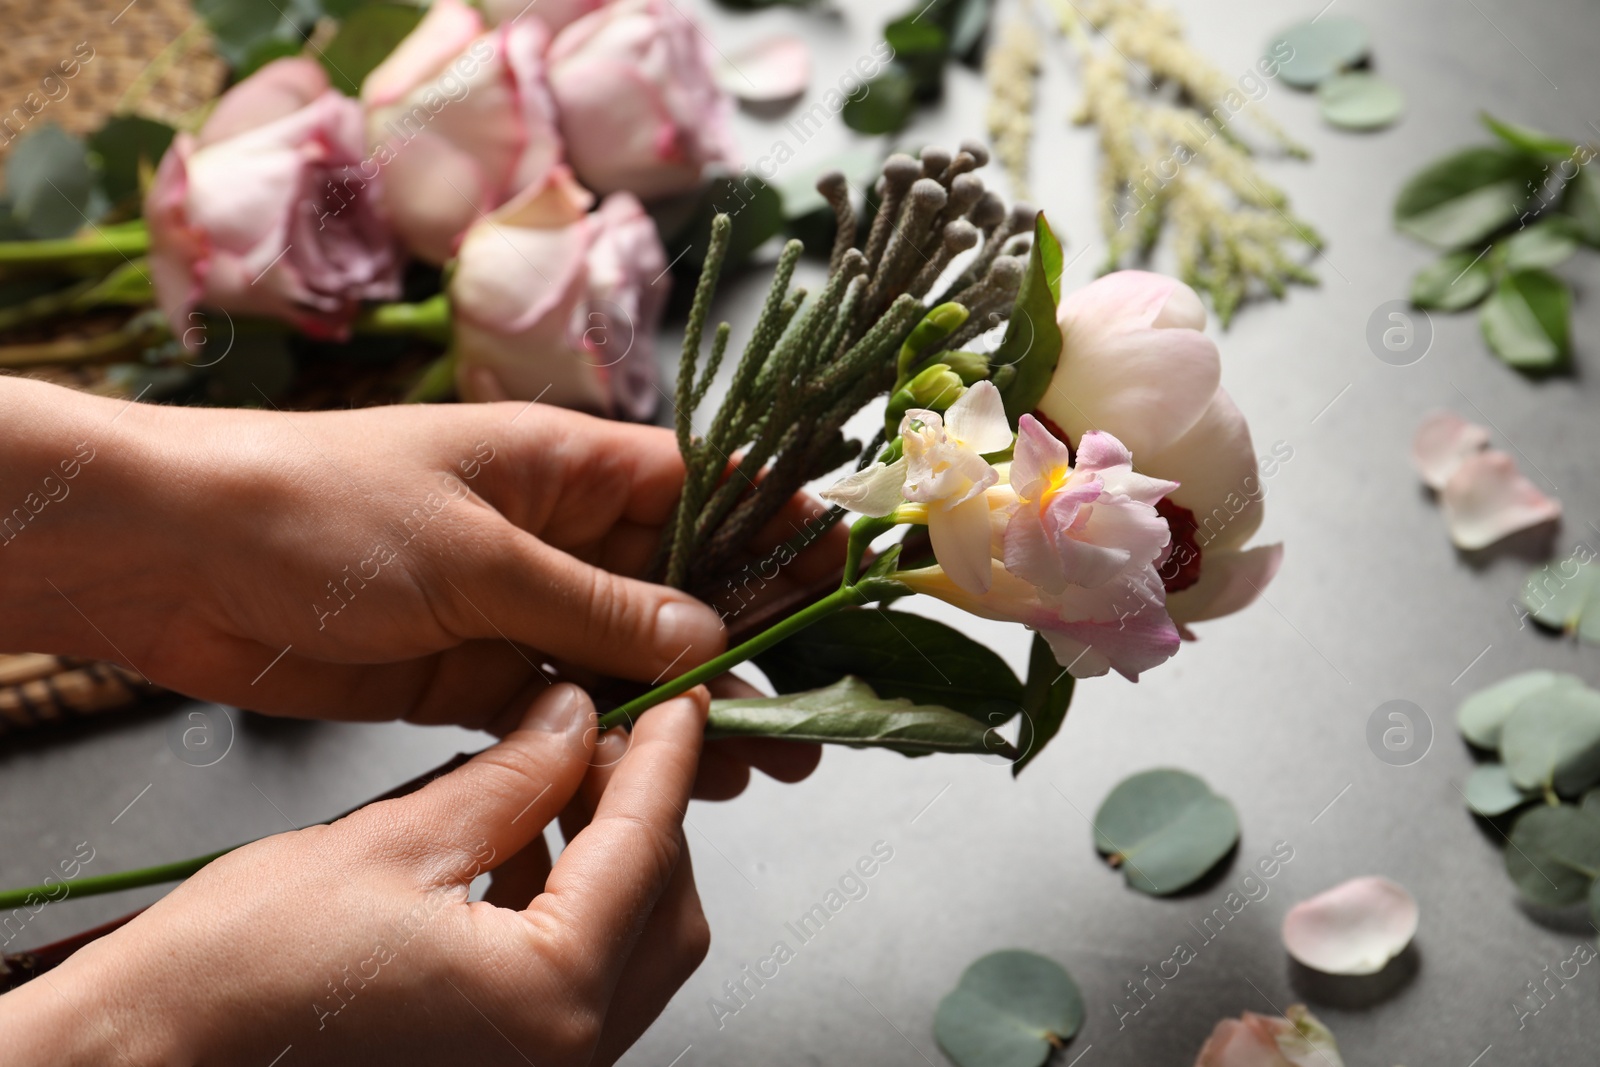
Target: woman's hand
(355, 943)
(420, 562)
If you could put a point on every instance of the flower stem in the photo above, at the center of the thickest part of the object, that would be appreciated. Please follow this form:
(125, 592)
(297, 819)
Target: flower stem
(437, 382)
(429, 319)
(105, 242)
(95, 884)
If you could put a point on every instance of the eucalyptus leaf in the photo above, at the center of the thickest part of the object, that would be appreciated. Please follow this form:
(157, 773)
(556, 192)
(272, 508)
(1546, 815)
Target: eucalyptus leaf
(887, 104)
(898, 654)
(1553, 853)
(920, 47)
(365, 39)
(1552, 740)
(1525, 320)
(1463, 198)
(240, 27)
(50, 182)
(859, 164)
(1045, 698)
(1581, 201)
(848, 712)
(1546, 243)
(1566, 602)
(1491, 792)
(1482, 714)
(1010, 1009)
(1032, 343)
(1457, 281)
(126, 146)
(1165, 828)
(752, 204)
(1357, 100)
(1318, 50)
(1528, 140)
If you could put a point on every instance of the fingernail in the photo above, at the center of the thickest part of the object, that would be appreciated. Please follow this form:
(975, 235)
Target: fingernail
(688, 632)
(563, 710)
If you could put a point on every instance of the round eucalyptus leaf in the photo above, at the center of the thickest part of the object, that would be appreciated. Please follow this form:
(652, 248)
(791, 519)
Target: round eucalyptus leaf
(1553, 853)
(1165, 828)
(1010, 1009)
(1357, 100)
(1457, 281)
(1318, 49)
(1482, 714)
(1491, 792)
(1552, 740)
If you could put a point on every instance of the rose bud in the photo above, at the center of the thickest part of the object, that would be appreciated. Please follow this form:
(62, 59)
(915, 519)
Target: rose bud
(639, 107)
(459, 121)
(265, 211)
(557, 304)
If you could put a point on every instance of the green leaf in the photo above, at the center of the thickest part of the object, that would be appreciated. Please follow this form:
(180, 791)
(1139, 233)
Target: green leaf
(1482, 714)
(1581, 201)
(1552, 740)
(859, 164)
(887, 104)
(1165, 828)
(1491, 792)
(1569, 602)
(1360, 101)
(1463, 198)
(968, 19)
(921, 47)
(1010, 1009)
(1525, 320)
(124, 145)
(364, 40)
(1553, 854)
(899, 655)
(1317, 50)
(50, 182)
(848, 712)
(240, 27)
(756, 211)
(1045, 699)
(1457, 281)
(1546, 243)
(1527, 140)
(1032, 344)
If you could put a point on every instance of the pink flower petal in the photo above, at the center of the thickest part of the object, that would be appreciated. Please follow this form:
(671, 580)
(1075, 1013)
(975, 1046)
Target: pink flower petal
(1354, 928)
(1442, 442)
(774, 69)
(1229, 582)
(1487, 498)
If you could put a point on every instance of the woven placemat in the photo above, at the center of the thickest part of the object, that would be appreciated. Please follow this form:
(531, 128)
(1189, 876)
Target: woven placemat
(152, 53)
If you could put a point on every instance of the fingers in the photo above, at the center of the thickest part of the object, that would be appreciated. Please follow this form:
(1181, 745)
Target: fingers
(611, 874)
(499, 801)
(530, 592)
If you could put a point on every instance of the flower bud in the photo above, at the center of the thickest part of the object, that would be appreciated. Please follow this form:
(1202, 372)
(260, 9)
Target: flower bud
(938, 324)
(934, 389)
(972, 367)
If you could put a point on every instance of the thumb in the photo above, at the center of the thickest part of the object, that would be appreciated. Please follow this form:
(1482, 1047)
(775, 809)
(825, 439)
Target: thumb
(551, 601)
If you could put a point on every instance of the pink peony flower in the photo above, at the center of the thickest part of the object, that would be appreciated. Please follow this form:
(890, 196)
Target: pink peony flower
(459, 121)
(638, 104)
(264, 213)
(552, 302)
(1135, 364)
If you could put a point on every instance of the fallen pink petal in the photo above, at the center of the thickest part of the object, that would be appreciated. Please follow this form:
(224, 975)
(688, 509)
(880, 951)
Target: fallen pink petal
(771, 70)
(1355, 928)
(1444, 440)
(1488, 498)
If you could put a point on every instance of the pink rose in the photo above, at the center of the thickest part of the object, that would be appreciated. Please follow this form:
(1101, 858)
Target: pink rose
(459, 120)
(554, 303)
(555, 14)
(638, 105)
(1135, 364)
(264, 212)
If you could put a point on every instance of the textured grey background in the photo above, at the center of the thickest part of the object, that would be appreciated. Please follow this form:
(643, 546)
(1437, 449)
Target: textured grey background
(1270, 706)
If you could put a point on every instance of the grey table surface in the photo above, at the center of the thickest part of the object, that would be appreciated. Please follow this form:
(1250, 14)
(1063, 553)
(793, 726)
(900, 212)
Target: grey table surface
(1271, 706)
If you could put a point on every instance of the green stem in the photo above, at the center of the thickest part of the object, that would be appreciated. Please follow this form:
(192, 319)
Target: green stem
(96, 884)
(105, 242)
(104, 348)
(436, 383)
(429, 319)
(843, 597)
(861, 534)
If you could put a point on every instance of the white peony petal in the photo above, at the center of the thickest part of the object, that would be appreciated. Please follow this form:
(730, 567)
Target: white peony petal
(774, 69)
(1487, 498)
(875, 491)
(1442, 442)
(978, 419)
(1354, 928)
